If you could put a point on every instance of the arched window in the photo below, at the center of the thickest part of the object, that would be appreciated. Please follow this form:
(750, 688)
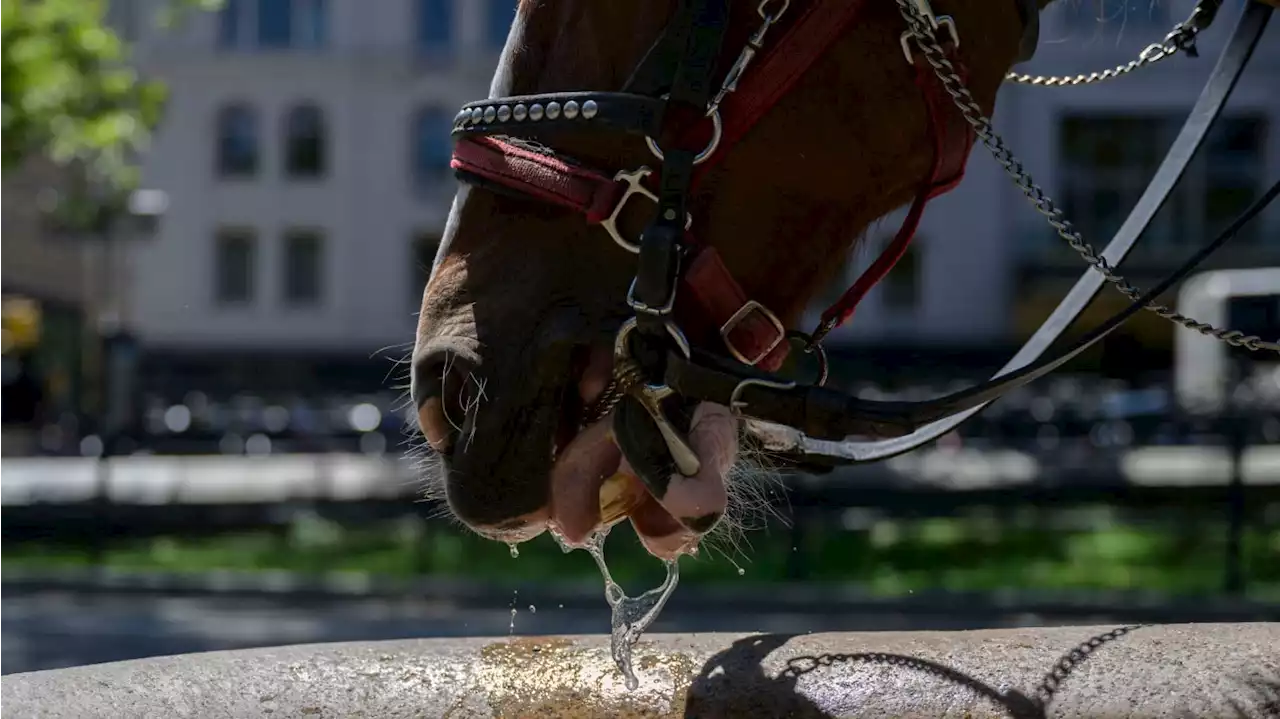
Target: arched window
(305, 141)
(237, 149)
(432, 145)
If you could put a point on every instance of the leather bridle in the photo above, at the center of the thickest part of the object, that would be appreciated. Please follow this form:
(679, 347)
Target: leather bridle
(695, 336)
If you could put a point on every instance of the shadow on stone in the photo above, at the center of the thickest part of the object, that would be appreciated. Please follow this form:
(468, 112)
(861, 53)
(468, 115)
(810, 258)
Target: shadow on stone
(734, 682)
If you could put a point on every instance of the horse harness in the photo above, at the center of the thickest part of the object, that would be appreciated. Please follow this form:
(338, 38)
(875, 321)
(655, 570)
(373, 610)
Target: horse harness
(682, 289)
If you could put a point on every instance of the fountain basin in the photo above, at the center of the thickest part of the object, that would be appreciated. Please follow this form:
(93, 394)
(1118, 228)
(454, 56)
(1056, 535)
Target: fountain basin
(1192, 670)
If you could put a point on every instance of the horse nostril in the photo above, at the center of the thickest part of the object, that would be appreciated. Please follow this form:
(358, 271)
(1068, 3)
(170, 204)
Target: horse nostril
(442, 390)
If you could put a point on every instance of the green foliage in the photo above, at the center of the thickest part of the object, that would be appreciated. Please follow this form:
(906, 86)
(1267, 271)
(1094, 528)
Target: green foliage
(69, 92)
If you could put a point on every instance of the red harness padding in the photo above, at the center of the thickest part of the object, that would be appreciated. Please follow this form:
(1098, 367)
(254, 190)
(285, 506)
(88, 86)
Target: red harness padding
(711, 303)
(715, 295)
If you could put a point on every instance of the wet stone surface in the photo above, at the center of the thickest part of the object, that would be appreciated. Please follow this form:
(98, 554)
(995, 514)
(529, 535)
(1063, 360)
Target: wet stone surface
(1207, 670)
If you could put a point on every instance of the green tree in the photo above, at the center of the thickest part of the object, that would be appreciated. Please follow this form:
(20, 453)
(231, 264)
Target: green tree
(69, 92)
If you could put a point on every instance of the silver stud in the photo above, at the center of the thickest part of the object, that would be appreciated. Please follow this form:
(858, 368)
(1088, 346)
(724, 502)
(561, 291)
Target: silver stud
(490, 113)
(570, 109)
(535, 112)
(477, 114)
(589, 109)
(461, 118)
(520, 112)
(504, 113)
(553, 110)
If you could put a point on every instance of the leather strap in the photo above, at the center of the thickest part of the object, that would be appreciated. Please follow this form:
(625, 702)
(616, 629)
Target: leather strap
(826, 414)
(952, 139)
(561, 111)
(545, 177)
(1029, 12)
(709, 296)
(953, 410)
(715, 298)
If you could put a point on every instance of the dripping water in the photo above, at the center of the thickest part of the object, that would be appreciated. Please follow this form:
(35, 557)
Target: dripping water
(632, 616)
(515, 551)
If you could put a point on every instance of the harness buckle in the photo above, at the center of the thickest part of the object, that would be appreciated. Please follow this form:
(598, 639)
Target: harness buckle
(635, 186)
(736, 402)
(738, 317)
(935, 22)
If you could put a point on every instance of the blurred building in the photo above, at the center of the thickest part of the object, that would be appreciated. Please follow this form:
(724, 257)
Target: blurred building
(48, 307)
(305, 150)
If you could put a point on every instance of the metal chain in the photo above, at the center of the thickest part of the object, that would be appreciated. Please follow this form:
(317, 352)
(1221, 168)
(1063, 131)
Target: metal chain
(1068, 662)
(769, 17)
(627, 375)
(1015, 702)
(1181, 38)
(923, 33)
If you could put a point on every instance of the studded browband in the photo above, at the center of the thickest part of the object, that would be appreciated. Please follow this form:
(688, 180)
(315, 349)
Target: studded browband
(713, 308)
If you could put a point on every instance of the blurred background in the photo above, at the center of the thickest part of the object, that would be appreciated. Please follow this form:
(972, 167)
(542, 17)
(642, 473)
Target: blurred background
(204, 420)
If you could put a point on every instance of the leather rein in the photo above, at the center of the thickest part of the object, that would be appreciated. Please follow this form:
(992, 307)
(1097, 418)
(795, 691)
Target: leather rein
(685, 300)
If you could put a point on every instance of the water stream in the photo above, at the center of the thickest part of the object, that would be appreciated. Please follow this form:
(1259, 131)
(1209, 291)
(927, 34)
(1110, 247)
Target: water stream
(632, 616)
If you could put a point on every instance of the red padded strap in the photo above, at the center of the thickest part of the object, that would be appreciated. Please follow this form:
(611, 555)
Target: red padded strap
(952, 141)
(709, 295)
(545, 177)
(717, 297)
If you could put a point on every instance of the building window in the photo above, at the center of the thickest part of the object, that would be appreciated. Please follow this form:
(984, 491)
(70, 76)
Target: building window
(275, 23)
(237, 150)
(305, 141)
(1115, 17)
(1107, 160)
(433, 146)
(500, 16)
(303, 267)
(434, 25)
(122, 16)
(312, 17)
(234, 262)
(902, 285)
(230, 23)
(422, 255)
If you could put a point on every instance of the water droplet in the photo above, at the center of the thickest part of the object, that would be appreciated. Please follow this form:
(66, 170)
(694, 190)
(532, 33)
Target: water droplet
(533, 609)
(511, 628)
(562, 606)
(741, 571)
(515, 551)
(631, 615)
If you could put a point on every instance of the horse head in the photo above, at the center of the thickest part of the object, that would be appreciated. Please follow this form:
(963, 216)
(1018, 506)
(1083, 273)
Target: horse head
(516, 341)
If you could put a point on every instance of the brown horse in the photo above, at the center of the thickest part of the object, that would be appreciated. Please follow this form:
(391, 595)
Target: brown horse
(517, 332)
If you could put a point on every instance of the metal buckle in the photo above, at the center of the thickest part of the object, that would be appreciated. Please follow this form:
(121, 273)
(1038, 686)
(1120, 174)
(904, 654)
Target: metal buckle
(639, 306)
(738, 317)
(735, 398)
(620, 340)
(635, 186)
(923, 7)
(717, 131)
(650, 397)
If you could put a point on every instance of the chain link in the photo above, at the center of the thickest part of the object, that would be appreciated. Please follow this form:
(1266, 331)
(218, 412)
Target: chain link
(934, 55)
(769, 16)
(1181, 38)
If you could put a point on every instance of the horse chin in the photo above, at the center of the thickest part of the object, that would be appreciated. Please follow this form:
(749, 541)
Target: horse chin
(593, 486)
